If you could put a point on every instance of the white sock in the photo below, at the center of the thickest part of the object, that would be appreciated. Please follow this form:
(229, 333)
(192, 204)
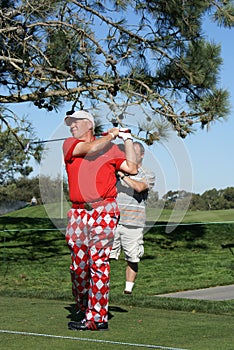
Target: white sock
(129, 286)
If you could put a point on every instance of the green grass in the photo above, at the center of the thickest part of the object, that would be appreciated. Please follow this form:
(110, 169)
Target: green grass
(191, 216)
(128, 324)
(153, 214)
(34, 265)
(189, 257)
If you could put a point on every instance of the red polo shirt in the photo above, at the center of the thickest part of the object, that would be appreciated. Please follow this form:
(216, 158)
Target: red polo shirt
(92, 177)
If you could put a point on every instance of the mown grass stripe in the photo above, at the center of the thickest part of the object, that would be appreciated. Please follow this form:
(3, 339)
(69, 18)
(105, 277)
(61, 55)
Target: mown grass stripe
(89, 340)
(151, 226)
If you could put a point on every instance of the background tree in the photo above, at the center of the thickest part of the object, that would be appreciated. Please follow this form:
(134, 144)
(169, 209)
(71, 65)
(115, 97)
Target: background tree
(210, 198)
(197, 202)
(23, 189)
(152, 54)
(153, 199)
(19, 191)
(179, 197)
(14, 162)
(228, 194)
(218, 199)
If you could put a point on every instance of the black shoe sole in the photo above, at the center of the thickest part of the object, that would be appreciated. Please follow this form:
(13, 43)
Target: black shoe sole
(73, 326)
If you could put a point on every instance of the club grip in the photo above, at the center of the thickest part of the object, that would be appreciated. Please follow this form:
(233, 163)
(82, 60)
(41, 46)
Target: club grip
(126, 131)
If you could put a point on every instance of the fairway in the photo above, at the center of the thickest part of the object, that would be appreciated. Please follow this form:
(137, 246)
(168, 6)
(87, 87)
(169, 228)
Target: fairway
(42, 324)
(36, 302)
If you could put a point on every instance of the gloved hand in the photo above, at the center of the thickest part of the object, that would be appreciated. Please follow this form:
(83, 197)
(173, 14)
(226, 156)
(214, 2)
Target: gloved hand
(125, 134)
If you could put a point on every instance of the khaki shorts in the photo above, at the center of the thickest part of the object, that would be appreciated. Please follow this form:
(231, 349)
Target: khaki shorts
(130, 239)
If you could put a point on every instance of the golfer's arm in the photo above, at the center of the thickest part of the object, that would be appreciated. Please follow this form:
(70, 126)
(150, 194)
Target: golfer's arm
(129, 165)
(94, 146)
(138, 186)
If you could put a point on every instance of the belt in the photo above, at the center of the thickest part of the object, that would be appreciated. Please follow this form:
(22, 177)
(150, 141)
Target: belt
(91, 205)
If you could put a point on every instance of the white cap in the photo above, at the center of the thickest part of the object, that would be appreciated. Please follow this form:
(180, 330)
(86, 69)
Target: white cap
(79, 115)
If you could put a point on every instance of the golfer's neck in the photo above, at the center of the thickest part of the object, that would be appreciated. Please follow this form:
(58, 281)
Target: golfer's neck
(87, 137)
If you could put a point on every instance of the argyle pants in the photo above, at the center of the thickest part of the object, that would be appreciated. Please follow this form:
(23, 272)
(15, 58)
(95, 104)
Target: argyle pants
(90, 236)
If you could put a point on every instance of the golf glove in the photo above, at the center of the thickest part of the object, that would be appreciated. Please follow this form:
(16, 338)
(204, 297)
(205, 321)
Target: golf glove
(125, 134)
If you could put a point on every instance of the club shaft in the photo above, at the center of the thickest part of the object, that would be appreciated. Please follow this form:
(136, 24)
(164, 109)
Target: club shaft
(64, 138)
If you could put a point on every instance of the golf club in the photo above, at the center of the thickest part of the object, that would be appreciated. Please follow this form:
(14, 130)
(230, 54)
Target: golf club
(26, 149)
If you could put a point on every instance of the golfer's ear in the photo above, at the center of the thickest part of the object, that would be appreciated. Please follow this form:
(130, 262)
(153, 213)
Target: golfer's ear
(90, 125)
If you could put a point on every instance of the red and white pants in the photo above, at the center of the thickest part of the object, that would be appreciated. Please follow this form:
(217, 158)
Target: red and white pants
(90, 236)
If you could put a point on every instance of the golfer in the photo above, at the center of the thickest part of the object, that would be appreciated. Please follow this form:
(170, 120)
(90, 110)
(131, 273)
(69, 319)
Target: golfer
(91, 166)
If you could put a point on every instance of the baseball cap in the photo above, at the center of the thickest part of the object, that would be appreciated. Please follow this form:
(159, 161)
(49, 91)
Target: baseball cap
(79, 115)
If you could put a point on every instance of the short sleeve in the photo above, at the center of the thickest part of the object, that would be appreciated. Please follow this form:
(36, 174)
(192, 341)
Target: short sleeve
(119, 156)
(68, 148)
(150, 178)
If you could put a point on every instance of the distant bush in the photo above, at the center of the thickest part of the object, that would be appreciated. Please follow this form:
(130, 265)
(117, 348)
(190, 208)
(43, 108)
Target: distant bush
(23, 189)
(11, 205)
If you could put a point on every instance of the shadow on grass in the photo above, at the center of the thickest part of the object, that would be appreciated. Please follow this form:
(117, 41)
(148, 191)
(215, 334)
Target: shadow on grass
(27, 238)
(187, 234)
(30, 239)
(8, 222)
(78, 316)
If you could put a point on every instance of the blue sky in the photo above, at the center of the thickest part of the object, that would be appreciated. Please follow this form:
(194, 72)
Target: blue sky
(211, 152)
(201, 162)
